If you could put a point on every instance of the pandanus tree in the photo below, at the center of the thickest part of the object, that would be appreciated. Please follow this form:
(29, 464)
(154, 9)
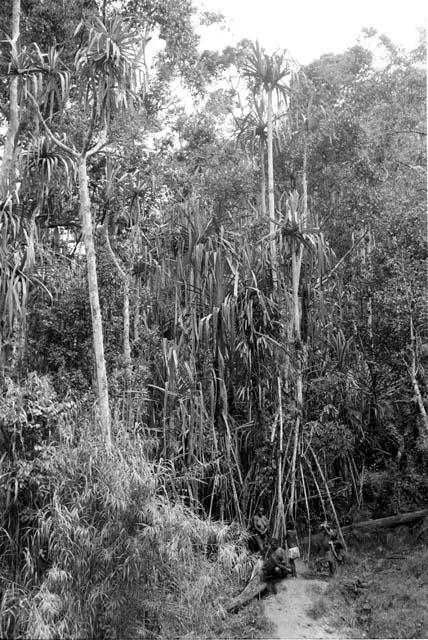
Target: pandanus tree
(107, 71)
(17, 242)
(302, 249)
(6, 170)
(252, 129)
(214, 377)
(268, 73)
(10, 284)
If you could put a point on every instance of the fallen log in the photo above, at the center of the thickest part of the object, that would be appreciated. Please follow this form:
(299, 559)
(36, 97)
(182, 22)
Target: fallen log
(372, 525)
(390, 521)
(254, 588)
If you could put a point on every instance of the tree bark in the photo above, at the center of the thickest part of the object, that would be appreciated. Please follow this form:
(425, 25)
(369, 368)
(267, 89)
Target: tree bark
(271, 193)
(126, 333)
(13, 125)
(254, 588)
(262, 180)
(296, 261)
(94, 300)
(373, 525)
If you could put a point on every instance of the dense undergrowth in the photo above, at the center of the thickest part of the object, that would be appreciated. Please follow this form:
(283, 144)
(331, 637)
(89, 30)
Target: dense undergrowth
(382, 591)
(91, 544)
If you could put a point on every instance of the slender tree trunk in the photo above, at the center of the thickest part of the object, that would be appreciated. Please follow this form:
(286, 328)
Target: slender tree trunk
(305, 177)
(296, 265)
(280, 525)
(137, 282)
(271, 193)
(262, 181)
(6, 171)
(94, 301)
(369, 274)
(414, 374)
(137, 309)
(296, 261)
(126, 333)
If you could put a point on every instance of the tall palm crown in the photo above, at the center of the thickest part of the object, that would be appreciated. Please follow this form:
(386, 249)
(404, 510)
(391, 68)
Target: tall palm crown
(268, 72)
(113, 57)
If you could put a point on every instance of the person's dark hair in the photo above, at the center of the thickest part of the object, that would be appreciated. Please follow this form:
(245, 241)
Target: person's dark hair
(275, 544)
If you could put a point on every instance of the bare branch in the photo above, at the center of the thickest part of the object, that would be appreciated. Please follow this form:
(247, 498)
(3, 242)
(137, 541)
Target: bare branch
(342, 259)
(102, 141)
(49, 132)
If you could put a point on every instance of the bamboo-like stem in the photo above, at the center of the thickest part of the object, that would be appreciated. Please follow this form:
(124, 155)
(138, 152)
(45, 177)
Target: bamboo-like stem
(296, 261)
(262, 180)
(281, 526)
(308, 511)
(354, 482)
(305, 173)
(333, 508)
(316, 486)
(271, 191)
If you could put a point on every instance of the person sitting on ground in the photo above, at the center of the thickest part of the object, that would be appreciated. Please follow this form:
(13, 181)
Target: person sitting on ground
(276, 566)
(260, 528)
(293, 548)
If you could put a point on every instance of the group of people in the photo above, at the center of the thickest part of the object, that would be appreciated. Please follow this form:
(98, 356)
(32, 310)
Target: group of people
(278, 563)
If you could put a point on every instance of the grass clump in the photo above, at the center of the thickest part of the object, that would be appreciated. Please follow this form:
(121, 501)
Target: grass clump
(102, 551)
(319, 608)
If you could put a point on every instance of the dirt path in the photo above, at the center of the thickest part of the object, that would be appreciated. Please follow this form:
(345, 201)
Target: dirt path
(288, 609)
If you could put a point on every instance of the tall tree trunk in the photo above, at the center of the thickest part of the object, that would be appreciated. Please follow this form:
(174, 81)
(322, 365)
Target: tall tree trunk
(94, 300)
(296, 261)
(271, 193)
(262, 181)
(299, 347)
(126, 334)
(13, 124)
(305, 177)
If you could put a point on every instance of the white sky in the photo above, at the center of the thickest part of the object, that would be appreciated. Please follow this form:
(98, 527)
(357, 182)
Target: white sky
(309, 28)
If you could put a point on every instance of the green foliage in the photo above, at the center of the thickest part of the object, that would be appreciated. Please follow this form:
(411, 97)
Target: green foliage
(60, 333)
(266, 71)
(108, 551)
(394, 491)
(30, 418)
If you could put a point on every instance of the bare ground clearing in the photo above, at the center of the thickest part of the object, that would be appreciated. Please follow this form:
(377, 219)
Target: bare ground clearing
(289, 609)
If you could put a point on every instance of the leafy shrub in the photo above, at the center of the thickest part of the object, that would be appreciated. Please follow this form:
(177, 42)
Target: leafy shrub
(30, 418)
(391, 491)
